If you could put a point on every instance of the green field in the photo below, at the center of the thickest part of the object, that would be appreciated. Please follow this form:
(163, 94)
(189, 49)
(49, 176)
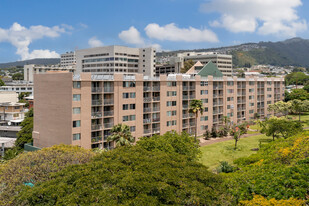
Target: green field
(224, 151)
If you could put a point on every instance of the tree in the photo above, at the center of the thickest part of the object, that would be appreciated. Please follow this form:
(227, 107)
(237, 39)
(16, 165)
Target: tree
(22, 95)
(25, 134)
(300, 94)
(279, 127)
(121, 135)
(187, 65)
(196, 106)
(36, 167)
(280, 107)
(1, 83)
(296, 78)
(172, 143)
(298, 106)
(18, 76)
(130, 176)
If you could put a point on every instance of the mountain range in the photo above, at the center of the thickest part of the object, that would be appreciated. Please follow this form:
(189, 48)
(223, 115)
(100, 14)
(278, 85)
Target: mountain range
(44, 61)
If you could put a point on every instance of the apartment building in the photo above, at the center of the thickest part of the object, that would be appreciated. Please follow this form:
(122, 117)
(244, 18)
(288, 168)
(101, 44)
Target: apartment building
(31, 69)
(165, 69)
(18, 87)
(12, 113)
(116, 59)
(82, 109)
(68, 59)
(222, 61)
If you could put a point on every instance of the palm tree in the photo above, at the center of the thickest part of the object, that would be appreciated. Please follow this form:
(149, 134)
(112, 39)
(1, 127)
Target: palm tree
(121, 135)
(196, 106)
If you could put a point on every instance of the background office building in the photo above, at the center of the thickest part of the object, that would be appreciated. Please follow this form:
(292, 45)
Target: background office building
(116, 59)
(82, 109)
(68, 59)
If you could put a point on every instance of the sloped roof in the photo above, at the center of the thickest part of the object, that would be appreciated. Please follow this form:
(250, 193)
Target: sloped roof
(210, 69)
(197, 65)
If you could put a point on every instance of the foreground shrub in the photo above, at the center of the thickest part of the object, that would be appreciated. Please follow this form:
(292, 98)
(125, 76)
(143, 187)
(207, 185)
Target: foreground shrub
(130, 176)
(260, 200)
(35, 167)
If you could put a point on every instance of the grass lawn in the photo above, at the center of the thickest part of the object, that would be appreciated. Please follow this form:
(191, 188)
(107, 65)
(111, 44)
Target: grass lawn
(304, 118)
(224, 151)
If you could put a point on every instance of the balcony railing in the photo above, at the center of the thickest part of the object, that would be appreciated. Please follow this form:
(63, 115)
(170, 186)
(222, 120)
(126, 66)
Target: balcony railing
(97, 102)
(147, 121)
(156, 109)
(218, 87)
(96, 114)
(192, 124)
(156, 120)
(185, 125)
(147, 109)
(156, 98)
(147, 99)
(192, 87)
(241, 108)
(108, 89)
(155, 130)
(108, 125)
(185, 88)
(192, 96)
(96, 127)
(96, 139)
(156, 88)
(191, 115)
(96, 89)
(185, 115)
(147, 131)
(108, 101)
(217, 95)
(185, 97)
(146, 89)
(185, 106)
(108, 113)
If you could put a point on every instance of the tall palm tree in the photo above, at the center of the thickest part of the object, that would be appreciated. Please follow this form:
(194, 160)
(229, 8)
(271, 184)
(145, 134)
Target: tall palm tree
(196, 106)
(121, 135)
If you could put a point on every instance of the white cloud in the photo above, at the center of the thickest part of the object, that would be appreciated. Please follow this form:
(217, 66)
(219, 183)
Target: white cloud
(278, 17)
(171, 32)
(131, 36)
(21, 37)
(94, 42)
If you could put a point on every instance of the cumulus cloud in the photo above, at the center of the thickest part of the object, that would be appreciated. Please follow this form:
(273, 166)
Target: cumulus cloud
(94, 42)
(171, 32)
(131, 36)
(275, 17)
(21, 37)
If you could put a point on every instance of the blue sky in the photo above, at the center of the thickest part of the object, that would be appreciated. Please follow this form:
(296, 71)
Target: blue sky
(47, 28)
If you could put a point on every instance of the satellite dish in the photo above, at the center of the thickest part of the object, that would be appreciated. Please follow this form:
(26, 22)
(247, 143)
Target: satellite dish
(9, 123)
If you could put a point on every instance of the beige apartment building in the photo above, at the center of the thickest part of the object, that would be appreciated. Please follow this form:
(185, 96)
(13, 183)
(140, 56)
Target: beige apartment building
(81, 109)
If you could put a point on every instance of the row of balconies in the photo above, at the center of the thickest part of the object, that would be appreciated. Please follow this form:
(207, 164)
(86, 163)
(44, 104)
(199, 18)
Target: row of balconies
(99, 114)
(149, 120)
(154, 88)
(188, 97)
(99, 102)
(186, 88)
(152, 131)
(99, 126)
(149, 99)
(149, 109)
(100, 89)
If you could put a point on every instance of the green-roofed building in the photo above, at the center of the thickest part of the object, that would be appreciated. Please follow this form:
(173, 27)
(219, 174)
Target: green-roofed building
(210, 69)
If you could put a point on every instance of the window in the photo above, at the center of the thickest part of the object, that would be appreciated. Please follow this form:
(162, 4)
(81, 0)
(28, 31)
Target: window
(230, 99)
(204, 92)
(269, 89)
(171, 93)
(132, 129)
(205, 109)
(128, 84)
(128, 95)
(76, 123)
(204, 100)
(171, 84)
(171, 123)
(170, 103)
(251, 97)
(204, 118)
(204, 127)
(128, 118)
(76, 110)
(251, 111)
(16, 107)
(251, 90)
(204, 83)
(171, 113)
(125, 107)
(76, 136)
(251, 83)
(268, 95)
(230, 91)
(230, 83)
(228, 106)
(76, 97)
(251, 104)
(76, 85)
(132, 106)
(268, 83)
(268, 102)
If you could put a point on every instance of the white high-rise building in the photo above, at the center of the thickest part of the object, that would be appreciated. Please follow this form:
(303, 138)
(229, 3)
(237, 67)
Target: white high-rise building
(116, 59)
(68, 59)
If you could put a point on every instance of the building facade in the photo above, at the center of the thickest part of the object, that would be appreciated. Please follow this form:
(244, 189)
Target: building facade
(82, 109)
(12, 113)
(116, 59)
(31, 69)
(165, 69)
(18, 87)
(68, 59)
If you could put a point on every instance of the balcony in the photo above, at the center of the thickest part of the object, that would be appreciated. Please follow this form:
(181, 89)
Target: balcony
(192, 124)
(241, 94)
(241, 108)
(96, 89)
(147, 99)
(185, 88)
(218, 111)
(218, 104)
(156, 99)
(185, 125)
(191, 115)
(192, 87)
(147, 109)
(156, 109)
(156, 120)
(146, 89)
(192, 96)
(108, 113)
(147, 121)
(108, 101)
(96, 127)
(156, 130)
(217, 87)
(96, 102)
(185, 115)
(96, 139)
(96, 114)
(185, 97)
(147, 131)
(108, 89)
(241, 101)
(185, 106)
(156, 88)
(108, 125)
(217, 95)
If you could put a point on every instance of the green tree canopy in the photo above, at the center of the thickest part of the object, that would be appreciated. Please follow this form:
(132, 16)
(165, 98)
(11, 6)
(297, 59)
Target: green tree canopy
(298, 78)
(196, 107)
(300, 94)
(1, 83)
(121, 135)
(280, 107)
(298, 106)
(35, 167)
(18, 76)
(25, 134)
(130, 176)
